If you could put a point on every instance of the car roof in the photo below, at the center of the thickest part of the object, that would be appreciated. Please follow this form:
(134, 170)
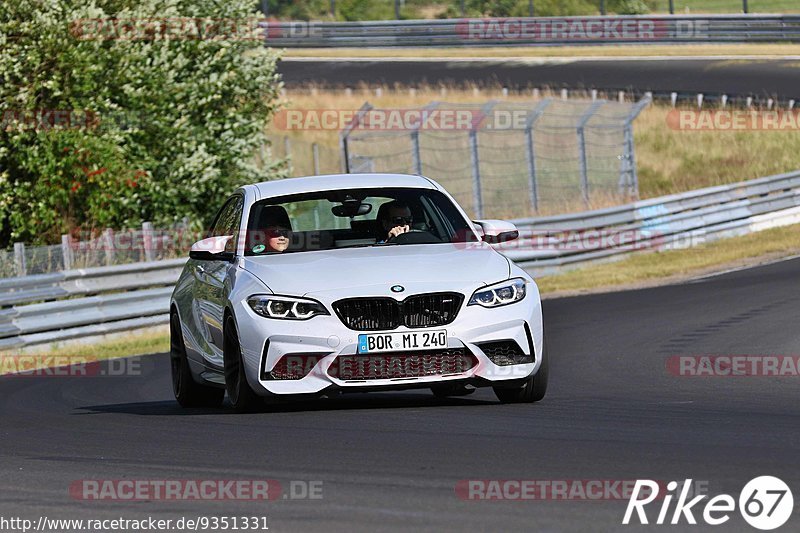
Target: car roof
(282, 187)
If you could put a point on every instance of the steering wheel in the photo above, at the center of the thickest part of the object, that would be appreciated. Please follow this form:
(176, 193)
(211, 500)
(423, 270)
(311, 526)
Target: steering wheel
(414, 236)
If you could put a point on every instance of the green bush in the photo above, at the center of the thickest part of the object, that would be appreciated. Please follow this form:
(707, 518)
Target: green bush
(194, 114)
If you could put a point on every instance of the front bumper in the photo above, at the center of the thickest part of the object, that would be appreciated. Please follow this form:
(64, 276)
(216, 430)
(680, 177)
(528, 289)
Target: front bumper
(265, 341)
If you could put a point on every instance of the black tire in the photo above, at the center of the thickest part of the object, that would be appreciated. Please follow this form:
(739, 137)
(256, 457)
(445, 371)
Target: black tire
(241, 396)
(187, 391)
(533, 389)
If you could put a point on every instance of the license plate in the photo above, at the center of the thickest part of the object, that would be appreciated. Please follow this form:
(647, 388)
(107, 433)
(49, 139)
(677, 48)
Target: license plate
(392, 342)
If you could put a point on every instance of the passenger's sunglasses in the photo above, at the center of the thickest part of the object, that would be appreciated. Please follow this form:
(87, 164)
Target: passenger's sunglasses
(278, 232)
(402, 220)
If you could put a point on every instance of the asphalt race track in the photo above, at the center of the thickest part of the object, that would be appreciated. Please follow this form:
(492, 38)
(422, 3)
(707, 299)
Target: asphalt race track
(390, 461)
(758, 78)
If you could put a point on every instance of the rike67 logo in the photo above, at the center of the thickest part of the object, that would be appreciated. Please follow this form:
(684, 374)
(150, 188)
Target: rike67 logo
(765, 503)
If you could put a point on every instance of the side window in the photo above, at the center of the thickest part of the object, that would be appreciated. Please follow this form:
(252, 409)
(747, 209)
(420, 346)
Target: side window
(228, 220)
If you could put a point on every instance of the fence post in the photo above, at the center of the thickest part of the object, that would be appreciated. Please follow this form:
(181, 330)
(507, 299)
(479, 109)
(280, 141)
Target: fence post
(476, 174)
(582, 149)
(416, 162)
(344, 136)
(108, 238)
(530, 150)
(671, 7)
(147, 240)
(315, 157)
(287, 153)
(628, 175)
(477, 191)
(416, 158)
(66, 252)
(19, 259)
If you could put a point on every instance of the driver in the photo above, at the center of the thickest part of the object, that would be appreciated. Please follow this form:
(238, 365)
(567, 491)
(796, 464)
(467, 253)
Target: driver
(395, 219)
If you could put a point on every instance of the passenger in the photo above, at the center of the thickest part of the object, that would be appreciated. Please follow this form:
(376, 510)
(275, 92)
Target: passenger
(276, 228)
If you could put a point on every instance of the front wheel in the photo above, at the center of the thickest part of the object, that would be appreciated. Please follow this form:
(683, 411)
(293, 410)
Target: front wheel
(187, 391)
(241, 396)
(533, 389)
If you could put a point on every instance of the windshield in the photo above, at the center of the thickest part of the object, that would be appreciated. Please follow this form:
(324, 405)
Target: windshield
(354, 218)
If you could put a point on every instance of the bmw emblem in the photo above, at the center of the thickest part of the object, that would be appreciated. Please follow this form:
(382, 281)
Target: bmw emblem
(398, 288)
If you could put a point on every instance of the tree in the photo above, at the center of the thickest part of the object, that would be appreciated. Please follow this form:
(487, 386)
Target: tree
(118, 111)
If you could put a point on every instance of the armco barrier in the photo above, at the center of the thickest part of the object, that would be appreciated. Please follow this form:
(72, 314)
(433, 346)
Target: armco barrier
(83, 303)
(655, 29)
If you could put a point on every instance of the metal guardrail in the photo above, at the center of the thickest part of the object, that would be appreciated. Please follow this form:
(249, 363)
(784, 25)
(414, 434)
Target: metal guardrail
(80, 303)
(551, 244)
(642, 29)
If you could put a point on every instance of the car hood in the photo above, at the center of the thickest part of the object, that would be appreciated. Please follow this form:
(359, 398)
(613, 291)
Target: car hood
(419, 268)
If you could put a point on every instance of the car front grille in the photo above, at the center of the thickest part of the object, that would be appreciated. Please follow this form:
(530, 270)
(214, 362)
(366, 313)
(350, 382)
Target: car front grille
(381, 313)
(503, 353)
(399, 365)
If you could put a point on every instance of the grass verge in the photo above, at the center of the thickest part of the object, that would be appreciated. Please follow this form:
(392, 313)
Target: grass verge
(120, 345)
(656, 268)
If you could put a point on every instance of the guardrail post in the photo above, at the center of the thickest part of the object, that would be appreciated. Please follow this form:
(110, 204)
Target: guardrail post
(147, 240)
(584, 170)
(66, 251)
(530, 150)
(19, 259)
(315, 157)
(108, 238)
(671, 7)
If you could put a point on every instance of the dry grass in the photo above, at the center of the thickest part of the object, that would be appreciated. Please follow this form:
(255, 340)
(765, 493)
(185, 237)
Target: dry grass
(689, 50)
(647, 267)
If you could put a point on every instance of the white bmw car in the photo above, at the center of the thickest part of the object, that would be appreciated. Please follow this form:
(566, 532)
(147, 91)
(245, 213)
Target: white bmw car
(357, 282)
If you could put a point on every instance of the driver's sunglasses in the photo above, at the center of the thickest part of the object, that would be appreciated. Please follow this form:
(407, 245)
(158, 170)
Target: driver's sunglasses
(402, 220)
(279, 232)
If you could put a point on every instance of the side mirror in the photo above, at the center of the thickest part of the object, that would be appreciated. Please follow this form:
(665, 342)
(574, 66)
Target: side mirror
(212, 249)
(497, 231)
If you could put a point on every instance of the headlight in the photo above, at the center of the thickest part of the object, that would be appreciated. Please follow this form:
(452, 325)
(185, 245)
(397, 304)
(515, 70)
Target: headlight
(286, 307)
(503, 293)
